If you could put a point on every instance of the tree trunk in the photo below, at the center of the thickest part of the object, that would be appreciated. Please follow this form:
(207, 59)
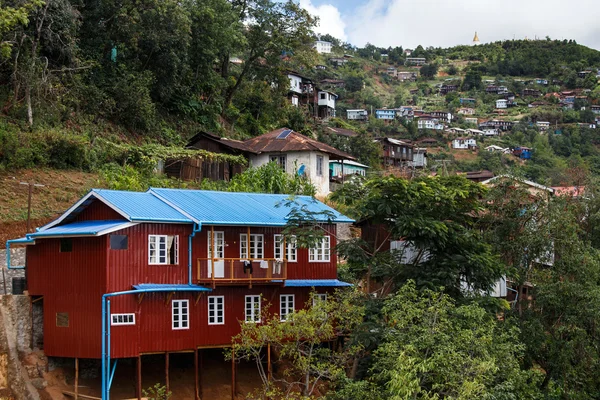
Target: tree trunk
(29, 108)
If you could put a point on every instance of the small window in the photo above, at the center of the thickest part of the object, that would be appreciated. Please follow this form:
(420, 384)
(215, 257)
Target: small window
(252, 313)
(62, 319)
(119, 242)
(216, 310)
(291, 254)
(66, 245)
(286, 306)
(280, 160)
(122, 319)
(320, 253)
(257, 246)
(319, 298)
(180, 314)
(319, 165)
(323, 96)
(163, 250)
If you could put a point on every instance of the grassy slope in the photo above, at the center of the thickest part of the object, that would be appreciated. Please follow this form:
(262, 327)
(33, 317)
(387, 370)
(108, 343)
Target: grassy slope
(61, 190)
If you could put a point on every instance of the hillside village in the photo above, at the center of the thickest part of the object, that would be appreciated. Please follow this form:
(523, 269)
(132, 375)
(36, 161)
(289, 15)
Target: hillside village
(208, 200)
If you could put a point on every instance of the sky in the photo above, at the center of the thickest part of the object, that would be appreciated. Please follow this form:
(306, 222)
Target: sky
(445, 23)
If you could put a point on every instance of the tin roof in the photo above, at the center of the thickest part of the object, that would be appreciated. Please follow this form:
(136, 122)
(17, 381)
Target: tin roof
(186, 206)
(234, 208)
(82, 228)
(142, 206)
(294, 141)
(316, 283)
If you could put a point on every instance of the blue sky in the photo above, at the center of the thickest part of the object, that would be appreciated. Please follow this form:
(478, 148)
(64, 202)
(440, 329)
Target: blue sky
(444, 23)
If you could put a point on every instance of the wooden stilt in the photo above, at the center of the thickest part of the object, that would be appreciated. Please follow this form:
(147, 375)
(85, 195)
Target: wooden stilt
(201, 355)
(76, 378)
(269, 370)
(138, 386)
(196, 374)
(167, 371)
(232, 374)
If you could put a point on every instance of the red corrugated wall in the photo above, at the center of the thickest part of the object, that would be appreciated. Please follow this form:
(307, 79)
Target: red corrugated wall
(153, 319)
(74, 283)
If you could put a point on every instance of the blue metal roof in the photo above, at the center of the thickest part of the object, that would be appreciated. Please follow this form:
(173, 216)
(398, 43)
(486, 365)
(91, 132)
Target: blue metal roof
(82, 228)
(316, 283)
(142, 206)
(160, 287)
(234, 208)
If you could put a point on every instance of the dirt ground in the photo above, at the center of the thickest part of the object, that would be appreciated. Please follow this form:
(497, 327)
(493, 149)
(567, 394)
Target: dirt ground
(61, 189)
(215, 377)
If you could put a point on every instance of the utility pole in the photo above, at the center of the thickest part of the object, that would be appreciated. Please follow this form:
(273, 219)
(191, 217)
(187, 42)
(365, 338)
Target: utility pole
(30, 186)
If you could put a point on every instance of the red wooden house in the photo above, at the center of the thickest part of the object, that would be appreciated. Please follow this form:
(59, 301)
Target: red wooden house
(123, 274)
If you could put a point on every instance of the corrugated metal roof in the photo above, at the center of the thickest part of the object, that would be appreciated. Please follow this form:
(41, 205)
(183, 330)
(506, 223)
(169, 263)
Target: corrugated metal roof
(142, 206)
(232, 208)
(295, 141)
(159, 287)
(316, 283)
(82, 228)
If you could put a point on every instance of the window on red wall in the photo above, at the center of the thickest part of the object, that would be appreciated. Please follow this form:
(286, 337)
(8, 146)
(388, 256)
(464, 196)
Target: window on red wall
(66, 245)
(163, 250)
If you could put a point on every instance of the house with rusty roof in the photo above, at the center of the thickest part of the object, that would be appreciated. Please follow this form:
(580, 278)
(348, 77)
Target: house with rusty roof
(197, 168)
(295, 154)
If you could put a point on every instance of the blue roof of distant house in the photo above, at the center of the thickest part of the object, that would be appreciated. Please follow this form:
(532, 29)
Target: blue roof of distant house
(187, 207)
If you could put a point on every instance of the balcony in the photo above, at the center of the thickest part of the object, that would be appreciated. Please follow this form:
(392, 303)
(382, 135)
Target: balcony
(240, 271)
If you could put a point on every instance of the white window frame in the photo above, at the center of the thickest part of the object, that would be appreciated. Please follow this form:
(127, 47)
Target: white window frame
(319, 297)
(321, 253)
(287, 305)
(292, 251)
(177, 309)
(254, 248)
(220, 247)
(254, 302)
(213, 306)
(154, 254)
(126, 319)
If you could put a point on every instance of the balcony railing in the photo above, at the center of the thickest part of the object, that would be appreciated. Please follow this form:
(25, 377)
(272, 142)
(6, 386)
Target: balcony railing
(223, 271)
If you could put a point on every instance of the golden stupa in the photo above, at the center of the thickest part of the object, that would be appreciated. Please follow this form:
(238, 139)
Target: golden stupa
(476, 39)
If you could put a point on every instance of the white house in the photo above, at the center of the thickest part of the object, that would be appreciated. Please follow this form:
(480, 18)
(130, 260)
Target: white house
(497, 149)
(501, 103)
(295, 154)
(543, 125)
(466, 111)
(326, 103)
(475, 132)
(419, 158)
(323, 47)
(430, 123)
(473, 121)
(464, 143)
(358, 114)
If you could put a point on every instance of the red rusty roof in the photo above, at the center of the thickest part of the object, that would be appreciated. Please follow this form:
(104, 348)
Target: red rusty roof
(294, 141)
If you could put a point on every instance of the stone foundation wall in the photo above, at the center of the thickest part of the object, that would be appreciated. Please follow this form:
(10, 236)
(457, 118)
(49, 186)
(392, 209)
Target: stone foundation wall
(17, 257)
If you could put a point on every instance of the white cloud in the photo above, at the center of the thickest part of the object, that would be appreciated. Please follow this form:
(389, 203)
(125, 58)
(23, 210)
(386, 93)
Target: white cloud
(330, 19)
(444, 23)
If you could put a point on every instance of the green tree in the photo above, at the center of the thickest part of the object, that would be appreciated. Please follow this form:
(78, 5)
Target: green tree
(436, 216)
(299, 340)
(433, 348)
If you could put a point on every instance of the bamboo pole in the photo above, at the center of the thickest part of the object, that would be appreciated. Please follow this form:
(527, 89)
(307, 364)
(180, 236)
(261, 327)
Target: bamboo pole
(76, 378)
(167, 371)
(232, 373)
(196, 385)
(138, 386)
